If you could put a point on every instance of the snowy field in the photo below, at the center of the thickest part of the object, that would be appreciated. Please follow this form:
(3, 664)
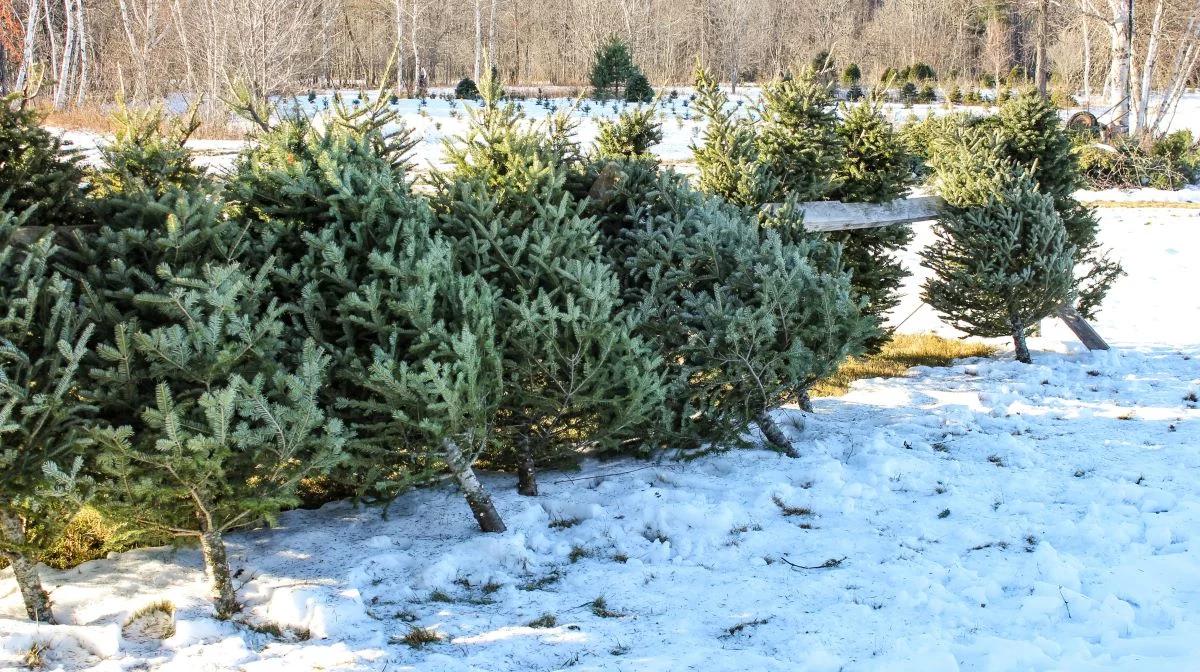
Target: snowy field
(434, 120)
(990, 516)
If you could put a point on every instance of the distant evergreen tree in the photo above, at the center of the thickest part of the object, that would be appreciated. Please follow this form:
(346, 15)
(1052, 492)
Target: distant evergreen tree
(851, 75)
(466, 89)
(45, 411)
(1034, 137)
(574, 374)
(638, 89)
(612, 66)
(631, 135)
(1003, 261)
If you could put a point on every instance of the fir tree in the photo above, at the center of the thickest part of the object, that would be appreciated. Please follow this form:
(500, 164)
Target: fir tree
(574, 375)
(227, 425)
(612, 68)
(416, 372)
(1034, 137)
(638, 89)
(631, 135)
(875, 169)
(727, 156)
(743, 319)
(35, 169)
(44, 413)
(1003, 261)
(797, 140)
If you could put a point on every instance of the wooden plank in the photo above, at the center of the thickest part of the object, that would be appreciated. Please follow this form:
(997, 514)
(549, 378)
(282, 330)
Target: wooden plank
(1080, 327)
(837, 216)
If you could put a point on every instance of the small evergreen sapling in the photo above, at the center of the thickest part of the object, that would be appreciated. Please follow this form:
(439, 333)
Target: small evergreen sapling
(44, 412)
(798, 141)
(727, 156)
(1034, 137)
(35, 168)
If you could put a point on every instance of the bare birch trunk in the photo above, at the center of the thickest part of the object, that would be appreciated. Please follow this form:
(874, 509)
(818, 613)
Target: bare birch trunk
(81, 32)
(68, 57)
(1087, 64)
(478, 38)
(27, 55)
(1121, 63)
(492, 36)
(1142, 113)
(399, 43)
(477, 496)
(37, 601)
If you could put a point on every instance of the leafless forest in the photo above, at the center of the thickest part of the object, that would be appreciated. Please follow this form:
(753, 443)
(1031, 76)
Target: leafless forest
(90, 50)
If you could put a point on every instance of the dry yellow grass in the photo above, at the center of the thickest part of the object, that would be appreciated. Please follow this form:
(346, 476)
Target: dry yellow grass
(98, 119)
(903, 352)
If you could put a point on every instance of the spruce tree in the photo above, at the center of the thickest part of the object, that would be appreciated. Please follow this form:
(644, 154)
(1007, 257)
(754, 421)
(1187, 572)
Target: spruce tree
(874, 169)
(35, 168)
(1034, 137)
(727, 156)
(45, 413)
(574, 376)
(797, 139)
(228, 421)
(612, 67)
(1003, 261)
(743, 319)
(416, 372)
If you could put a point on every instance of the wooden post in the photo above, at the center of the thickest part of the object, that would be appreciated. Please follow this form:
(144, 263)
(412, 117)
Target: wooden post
(1080, 327)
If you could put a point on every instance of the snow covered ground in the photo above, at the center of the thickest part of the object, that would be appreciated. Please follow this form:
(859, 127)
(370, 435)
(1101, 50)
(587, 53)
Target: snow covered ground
(990, 516)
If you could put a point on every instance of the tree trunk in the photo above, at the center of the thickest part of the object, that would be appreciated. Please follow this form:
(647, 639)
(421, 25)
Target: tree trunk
(1018, 334)
(30, 43)
(1041, 65)
(478, 38)
(1121, 63)
(1142, 113)
(1087, 64)
(37, 601)
(805, 401)
(64, 66)
(216, 568)
(775, 435)
(399, 51)
(477, 496)
(81, 31)
(492, 36)
(526, 474)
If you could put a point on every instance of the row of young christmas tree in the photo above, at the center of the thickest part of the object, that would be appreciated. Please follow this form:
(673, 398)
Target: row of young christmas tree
(193, 354)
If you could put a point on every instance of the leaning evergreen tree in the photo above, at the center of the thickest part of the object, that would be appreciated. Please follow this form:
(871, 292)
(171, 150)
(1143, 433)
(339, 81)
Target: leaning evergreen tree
(743, 319)
(1003, 260)
(416, 372)
(228, 421)
(1034, 137)
(44, 414)
(874, 169)
(574, 376)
